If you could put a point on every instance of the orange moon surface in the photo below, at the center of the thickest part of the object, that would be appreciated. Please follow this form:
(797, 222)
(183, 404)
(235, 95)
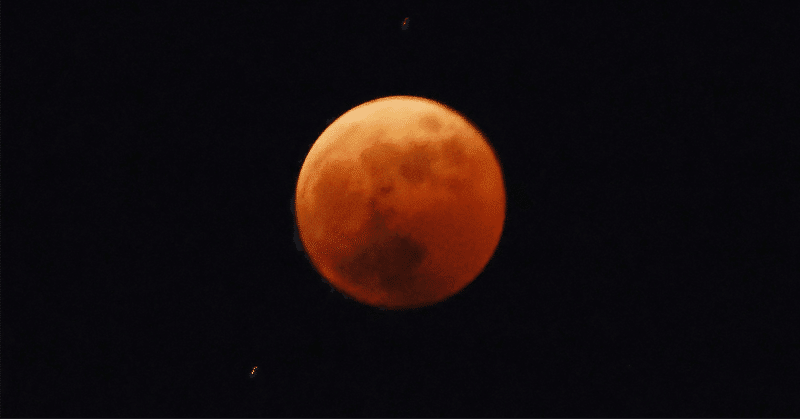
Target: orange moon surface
(400, 203)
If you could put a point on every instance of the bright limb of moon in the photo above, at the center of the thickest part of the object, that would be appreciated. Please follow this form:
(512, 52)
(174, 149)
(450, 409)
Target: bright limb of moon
(400, 202)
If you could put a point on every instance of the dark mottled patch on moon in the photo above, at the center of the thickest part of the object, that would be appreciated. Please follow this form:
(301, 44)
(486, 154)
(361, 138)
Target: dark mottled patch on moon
(378, 157)
(456, 185)
(430, 123)
(389, 263)
(453, 151)
(416, 164)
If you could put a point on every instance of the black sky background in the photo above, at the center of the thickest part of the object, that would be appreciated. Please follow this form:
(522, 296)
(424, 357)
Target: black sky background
(150, 153)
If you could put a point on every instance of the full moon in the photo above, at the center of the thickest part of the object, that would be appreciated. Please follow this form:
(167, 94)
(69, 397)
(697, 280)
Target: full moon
(400, 203)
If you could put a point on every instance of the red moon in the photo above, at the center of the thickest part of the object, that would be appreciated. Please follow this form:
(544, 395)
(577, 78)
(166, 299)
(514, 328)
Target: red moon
(400, 202)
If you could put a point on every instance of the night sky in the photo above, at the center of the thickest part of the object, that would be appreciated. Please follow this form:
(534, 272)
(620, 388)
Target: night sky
(149, 252)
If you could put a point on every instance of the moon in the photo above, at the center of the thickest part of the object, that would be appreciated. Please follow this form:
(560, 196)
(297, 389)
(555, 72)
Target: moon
(400, 203)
